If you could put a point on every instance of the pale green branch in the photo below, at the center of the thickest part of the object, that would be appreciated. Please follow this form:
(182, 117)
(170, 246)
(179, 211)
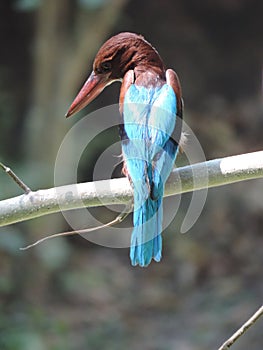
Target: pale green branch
(208, 174)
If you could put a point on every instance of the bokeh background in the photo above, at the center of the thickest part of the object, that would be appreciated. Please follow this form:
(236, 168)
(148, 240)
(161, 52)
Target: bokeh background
(72, 294)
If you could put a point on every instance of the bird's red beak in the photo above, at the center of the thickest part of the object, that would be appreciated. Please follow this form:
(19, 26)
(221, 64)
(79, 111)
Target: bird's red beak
(90, 90)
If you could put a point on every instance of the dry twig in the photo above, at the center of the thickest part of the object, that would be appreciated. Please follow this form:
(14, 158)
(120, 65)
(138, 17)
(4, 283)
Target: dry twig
(20, 183)
(229, 342)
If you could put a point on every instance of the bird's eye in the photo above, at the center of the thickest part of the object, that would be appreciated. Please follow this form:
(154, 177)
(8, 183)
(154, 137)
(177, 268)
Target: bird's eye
(105, 67)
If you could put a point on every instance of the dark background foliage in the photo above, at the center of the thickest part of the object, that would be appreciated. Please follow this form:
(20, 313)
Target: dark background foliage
(72, 294)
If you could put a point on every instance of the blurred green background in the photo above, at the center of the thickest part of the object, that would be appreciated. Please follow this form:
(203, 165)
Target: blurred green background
(72, 294)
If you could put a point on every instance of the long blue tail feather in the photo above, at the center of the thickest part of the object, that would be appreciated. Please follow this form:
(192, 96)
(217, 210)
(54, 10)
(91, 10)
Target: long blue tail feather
(146, 240)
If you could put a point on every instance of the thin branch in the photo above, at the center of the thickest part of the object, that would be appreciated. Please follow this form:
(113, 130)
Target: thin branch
(20, 183)
(204, 175)
(229, 342)
(115, 221)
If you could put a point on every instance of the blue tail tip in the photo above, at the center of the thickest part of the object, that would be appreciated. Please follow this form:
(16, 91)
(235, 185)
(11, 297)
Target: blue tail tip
(145, 262)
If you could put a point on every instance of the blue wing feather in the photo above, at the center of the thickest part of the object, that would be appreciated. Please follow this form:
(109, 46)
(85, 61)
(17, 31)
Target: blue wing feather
(149, 119)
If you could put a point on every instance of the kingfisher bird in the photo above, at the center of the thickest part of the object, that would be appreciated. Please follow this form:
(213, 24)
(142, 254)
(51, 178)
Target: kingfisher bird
(151, 109)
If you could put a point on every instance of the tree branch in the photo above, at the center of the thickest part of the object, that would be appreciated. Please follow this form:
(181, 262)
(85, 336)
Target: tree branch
(227, 344)
(17, 180)
(198, 176)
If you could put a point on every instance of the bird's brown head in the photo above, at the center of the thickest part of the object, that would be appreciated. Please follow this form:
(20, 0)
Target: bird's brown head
(119, 54)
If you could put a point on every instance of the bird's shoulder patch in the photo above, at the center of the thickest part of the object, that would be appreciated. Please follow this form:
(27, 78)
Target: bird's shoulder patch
(128, 80)
(173, 80)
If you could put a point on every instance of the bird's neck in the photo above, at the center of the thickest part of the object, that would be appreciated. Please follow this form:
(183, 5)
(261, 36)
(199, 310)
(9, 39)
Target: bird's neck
(146, 63)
